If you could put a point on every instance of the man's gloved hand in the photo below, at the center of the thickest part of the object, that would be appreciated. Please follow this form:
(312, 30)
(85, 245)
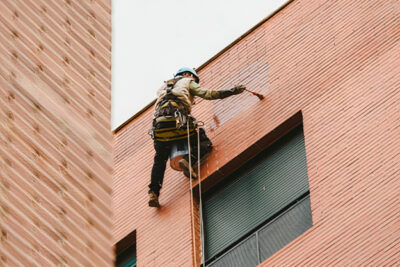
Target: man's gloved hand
(238, 89)
(233, 91)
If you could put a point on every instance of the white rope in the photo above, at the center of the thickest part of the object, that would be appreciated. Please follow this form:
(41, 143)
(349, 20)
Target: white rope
(191, 197)
(200, 200)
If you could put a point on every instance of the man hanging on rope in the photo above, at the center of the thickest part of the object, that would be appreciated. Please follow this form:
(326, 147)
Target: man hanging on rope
(171, 118)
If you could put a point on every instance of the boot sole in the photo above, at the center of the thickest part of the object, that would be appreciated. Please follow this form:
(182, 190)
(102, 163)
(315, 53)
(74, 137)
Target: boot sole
(154, 203)
(185, 169)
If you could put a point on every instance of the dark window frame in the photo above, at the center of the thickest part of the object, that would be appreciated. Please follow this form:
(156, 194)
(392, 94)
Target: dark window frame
(264, 143)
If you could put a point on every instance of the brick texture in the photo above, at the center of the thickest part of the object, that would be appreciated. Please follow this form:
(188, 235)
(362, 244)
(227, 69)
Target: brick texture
(55, 138)
(338, 63)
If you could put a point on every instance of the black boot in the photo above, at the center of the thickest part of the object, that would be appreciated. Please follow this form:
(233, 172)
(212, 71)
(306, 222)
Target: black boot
(153, 202)
(186, 168)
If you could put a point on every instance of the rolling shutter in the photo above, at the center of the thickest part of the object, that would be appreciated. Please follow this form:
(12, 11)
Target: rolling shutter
(255, 193)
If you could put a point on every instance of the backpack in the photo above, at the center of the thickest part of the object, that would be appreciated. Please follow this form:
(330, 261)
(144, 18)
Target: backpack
(171, 117)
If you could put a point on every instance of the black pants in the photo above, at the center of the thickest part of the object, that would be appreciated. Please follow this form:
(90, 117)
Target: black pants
(163, 150)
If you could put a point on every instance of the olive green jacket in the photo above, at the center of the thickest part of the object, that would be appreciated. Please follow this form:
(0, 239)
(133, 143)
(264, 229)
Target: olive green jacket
(186, 89)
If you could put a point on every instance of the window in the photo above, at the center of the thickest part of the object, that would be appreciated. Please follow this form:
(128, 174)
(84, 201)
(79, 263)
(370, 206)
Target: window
(261, 207)
(126, 251)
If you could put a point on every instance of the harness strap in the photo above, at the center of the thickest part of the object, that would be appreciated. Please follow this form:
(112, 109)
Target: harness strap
(171, 128)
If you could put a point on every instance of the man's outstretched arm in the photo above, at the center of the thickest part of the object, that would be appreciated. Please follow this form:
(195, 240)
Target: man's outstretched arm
(197, 90)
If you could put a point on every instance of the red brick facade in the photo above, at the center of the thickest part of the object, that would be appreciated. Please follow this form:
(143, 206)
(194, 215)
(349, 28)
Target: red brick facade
(338, 62)
(55, 139)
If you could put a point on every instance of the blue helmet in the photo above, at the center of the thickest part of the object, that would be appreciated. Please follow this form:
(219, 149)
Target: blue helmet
(183, 70)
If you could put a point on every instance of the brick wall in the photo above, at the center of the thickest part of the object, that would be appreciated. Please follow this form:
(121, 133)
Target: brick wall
(55, 138)
(338, 63)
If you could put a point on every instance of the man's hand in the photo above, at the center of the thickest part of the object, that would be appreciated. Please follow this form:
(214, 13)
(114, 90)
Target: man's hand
(238, 89)
(233, 91)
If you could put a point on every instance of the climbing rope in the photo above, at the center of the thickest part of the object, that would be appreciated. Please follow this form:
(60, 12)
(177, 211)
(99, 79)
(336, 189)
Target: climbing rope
(192, 200)
(200, 200)
(191, 196)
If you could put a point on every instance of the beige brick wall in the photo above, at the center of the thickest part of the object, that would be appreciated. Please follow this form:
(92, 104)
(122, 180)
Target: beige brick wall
(55, 138)
(338, 63)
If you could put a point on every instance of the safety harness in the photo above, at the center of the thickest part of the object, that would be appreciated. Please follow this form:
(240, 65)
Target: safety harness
(171, 117)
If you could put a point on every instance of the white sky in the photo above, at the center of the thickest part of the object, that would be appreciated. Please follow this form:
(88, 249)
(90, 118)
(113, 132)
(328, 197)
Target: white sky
(152, 39)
